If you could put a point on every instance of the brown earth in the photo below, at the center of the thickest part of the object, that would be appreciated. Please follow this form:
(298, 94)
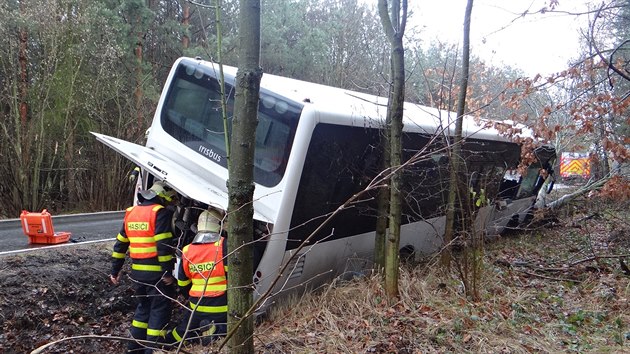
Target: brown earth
(49, 294)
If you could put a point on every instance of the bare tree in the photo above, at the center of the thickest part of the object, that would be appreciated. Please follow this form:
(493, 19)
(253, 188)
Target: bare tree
(394, 19)
(456, 151)
(241, 177)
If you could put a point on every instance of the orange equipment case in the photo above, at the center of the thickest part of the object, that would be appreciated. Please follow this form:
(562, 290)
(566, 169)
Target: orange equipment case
(39, 228)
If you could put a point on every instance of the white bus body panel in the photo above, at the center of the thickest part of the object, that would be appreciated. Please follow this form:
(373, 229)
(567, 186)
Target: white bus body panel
(183, 181)
(354, 254)
(275, 254)
(500, 216)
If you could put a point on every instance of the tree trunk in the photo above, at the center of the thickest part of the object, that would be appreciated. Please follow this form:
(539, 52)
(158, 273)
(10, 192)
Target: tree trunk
(460, 204)
(394, 27)
(382, 206)
(185, 24)
(138, 92)
(22, 59)
(240, 184)
(23, 141)
(70, 128)
(453, 207)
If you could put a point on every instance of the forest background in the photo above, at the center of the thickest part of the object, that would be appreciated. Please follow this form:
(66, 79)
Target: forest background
(68, 67)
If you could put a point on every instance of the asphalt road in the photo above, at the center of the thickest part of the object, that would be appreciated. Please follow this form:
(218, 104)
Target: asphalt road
(83, 227)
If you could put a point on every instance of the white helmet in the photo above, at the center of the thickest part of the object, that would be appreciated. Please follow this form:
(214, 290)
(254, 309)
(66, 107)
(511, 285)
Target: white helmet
(158, 189)
(208, 227)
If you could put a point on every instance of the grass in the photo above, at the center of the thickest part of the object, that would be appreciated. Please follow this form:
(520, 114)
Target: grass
(542, 292)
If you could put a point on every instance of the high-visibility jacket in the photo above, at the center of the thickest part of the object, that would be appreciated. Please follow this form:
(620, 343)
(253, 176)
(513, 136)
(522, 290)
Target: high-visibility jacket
(140, 229)
(203, 270)
(147, 236)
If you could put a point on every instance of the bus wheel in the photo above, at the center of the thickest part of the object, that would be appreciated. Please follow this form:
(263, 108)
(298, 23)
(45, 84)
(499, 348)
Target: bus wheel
(407, 254)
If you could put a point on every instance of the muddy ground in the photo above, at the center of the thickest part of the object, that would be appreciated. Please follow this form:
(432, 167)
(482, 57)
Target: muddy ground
(62, 292)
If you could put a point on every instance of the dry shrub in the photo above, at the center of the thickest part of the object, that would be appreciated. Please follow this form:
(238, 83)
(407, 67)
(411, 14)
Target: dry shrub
(617, 189)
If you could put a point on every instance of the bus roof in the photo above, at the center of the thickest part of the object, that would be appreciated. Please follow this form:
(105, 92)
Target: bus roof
(341, 106)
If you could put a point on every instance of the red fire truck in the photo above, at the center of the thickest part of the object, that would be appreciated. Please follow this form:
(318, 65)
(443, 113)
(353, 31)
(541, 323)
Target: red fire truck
(575, 166)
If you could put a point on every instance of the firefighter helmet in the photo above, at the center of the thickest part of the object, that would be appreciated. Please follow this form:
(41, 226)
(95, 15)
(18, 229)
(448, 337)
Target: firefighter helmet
(208, 226)
(158, 189)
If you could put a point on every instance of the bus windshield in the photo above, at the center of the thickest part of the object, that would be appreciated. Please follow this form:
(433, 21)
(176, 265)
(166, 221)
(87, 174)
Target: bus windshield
(192, 114)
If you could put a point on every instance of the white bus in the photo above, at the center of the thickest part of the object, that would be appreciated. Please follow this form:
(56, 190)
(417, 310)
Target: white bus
(315, 147)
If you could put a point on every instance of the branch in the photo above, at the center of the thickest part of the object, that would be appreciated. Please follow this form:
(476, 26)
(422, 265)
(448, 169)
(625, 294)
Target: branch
(611, 61)
(582, 190)
(588, 217)
(550, 278)
(201, 5)
(91, 336)
(595, 258)
(562, 269)
(608, 63)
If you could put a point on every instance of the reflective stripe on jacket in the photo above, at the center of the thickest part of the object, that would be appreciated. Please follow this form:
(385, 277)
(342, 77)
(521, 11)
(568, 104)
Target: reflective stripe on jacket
(203, 265)
(140, 230)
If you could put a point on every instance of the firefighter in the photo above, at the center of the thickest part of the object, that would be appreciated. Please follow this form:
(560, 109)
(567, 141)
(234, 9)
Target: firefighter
(203, 276)
(135, 179)
(133, 175)
(146, 234)
(543, 186)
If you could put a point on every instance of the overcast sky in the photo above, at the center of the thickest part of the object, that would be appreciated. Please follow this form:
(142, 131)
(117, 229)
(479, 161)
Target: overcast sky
(534, 43)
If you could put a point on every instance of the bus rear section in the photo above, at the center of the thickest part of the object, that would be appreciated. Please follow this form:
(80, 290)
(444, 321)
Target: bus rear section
(344, 159)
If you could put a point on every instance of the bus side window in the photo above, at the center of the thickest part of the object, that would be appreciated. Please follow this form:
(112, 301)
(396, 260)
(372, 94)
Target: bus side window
(213, 120)
(333, 171)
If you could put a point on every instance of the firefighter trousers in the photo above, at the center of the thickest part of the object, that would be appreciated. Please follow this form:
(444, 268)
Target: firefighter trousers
(153, 312)
(202, 326)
